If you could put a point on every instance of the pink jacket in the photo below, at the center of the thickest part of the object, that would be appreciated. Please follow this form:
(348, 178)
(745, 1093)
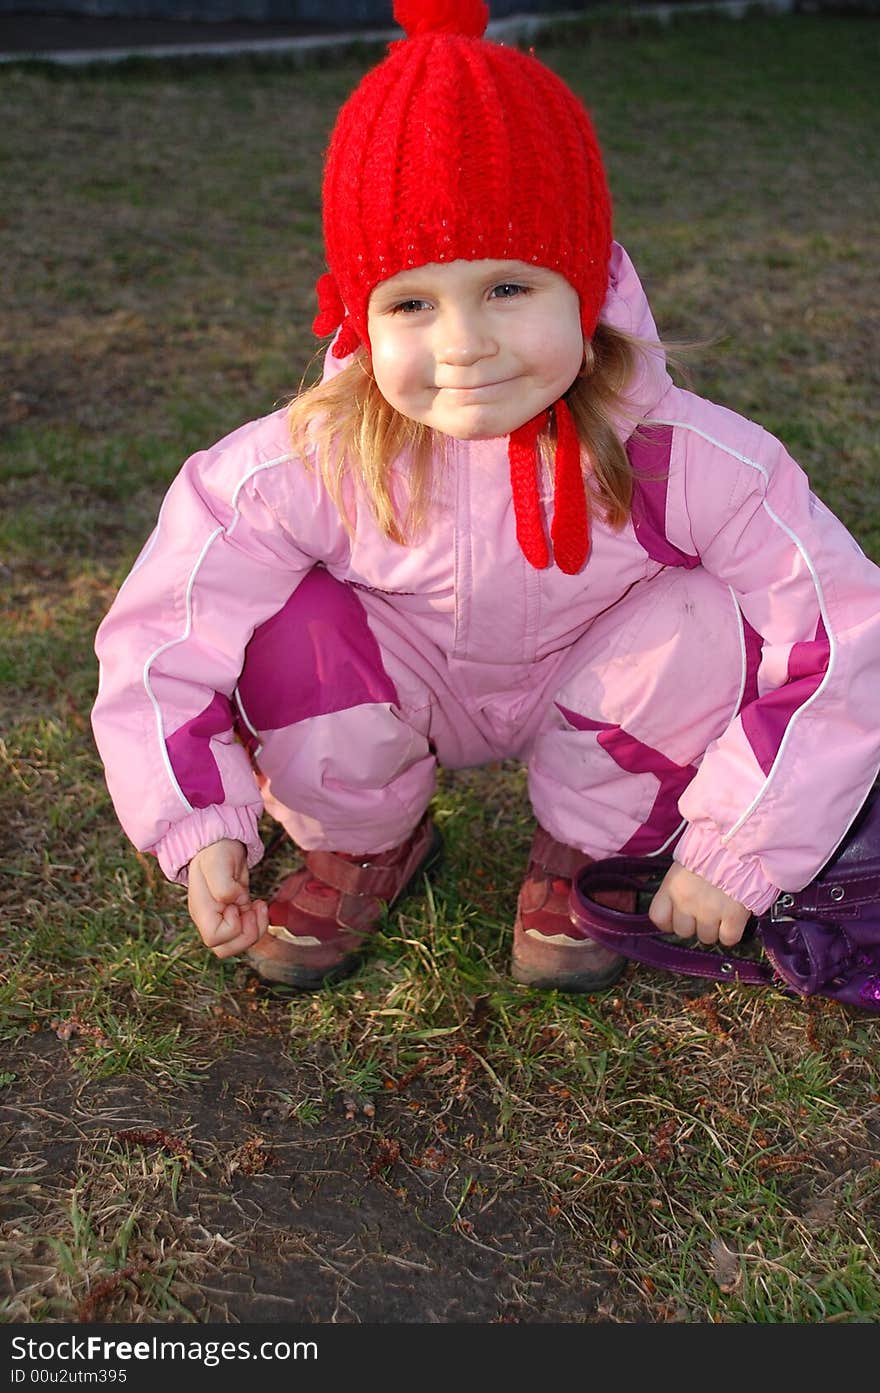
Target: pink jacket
(244, 522)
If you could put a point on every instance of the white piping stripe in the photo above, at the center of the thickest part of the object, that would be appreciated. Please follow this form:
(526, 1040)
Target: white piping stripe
(244, 714)
(743, 654)
(669, 840)
(728, 449)
(805, 706)
(257, 469)
(820, 599)
(163, 648)
(172, 643)
(258, 750)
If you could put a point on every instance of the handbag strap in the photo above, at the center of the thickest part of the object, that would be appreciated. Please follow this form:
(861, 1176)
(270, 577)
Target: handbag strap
(635, 936)
(839, 896)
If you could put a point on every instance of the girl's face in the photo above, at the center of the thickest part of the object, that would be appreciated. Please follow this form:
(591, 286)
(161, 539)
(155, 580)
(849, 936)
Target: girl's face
(475, 348)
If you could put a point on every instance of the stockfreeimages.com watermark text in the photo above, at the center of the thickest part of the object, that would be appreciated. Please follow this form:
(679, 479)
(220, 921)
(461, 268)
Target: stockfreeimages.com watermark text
(100, 1349)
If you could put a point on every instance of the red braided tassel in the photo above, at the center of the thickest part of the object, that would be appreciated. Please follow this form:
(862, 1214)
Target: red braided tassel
(348, 340)
(570, 529)
(523, 456)
(331, 317)
(331, 310)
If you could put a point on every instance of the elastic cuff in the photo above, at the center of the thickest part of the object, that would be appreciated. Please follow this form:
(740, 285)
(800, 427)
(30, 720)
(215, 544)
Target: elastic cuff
(698, 851)
(201, 829)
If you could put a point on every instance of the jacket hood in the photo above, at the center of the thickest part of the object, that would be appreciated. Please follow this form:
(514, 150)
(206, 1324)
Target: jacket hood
(626, 308)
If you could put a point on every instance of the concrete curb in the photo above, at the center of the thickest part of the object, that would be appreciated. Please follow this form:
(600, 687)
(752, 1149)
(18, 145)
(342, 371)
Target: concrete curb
(307, 48)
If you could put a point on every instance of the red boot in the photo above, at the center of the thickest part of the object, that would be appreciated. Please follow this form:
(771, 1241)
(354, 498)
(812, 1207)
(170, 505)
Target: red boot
(322, 917)
(549, 949)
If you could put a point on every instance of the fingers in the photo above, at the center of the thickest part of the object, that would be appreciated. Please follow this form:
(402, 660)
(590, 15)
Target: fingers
(232, 930)
(667, 917)
(228, 921)
(733, 927)
(707, 932)
(660, 911)
(238, 929)
(226, 882)
(688, 906)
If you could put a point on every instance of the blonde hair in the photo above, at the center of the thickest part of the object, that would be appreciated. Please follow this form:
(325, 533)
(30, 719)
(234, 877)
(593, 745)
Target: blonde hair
(346, 429)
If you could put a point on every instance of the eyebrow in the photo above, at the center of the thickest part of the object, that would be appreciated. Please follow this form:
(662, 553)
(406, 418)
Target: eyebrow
(384, 296)
(412, 289)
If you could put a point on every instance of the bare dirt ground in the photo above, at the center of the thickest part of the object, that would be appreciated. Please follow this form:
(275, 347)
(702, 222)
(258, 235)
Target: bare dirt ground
(280, 1221)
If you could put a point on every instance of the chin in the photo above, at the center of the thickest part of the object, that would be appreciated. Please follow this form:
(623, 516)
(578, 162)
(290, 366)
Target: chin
(477, 429)
(475, 433)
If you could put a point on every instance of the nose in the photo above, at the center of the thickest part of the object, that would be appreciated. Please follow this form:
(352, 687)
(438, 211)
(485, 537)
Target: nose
(464, 338)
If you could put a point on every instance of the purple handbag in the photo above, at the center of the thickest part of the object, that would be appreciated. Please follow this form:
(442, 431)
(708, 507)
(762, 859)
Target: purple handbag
(823, 940)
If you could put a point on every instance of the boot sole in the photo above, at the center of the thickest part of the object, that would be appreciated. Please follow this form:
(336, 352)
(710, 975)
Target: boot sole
(580, 983)
(310, 979)
(576, 967)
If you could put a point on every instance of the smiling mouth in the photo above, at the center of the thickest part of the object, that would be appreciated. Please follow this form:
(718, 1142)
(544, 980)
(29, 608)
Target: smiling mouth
(476, 387)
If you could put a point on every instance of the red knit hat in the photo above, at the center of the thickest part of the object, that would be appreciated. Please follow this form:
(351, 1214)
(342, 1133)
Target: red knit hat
(455, 147)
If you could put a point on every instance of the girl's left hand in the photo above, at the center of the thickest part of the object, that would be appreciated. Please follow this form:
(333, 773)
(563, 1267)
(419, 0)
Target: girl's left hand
(686, 904)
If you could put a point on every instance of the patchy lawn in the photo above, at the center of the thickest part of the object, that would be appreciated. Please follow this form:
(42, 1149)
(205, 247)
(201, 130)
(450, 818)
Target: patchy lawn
(428, 1142)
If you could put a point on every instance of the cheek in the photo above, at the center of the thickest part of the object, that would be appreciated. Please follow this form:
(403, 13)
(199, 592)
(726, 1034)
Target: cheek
(569, 347)
(382, 379)
(565, 337)
(393, 366)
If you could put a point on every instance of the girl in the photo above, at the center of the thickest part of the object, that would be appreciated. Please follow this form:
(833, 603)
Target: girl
(495, 529)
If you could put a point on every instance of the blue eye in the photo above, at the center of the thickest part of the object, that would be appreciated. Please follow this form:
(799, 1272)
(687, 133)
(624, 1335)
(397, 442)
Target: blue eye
(509, 290)
(408, 306)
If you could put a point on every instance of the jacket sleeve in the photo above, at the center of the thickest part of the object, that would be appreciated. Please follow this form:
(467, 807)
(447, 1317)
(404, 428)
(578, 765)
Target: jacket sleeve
(776, 793)
(172, 647)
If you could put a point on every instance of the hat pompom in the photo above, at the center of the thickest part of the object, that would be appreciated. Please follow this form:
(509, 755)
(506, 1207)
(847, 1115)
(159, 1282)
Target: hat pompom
(465, 17)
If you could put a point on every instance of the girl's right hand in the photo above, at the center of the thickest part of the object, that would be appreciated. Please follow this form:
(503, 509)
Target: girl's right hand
(220, 905)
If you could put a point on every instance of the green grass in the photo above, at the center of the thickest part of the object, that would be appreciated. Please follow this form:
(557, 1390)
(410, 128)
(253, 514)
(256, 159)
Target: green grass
(707, 1157)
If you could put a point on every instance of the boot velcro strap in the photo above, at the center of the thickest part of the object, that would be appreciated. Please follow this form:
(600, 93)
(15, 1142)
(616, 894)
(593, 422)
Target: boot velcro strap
(555, 857)
(378, 882)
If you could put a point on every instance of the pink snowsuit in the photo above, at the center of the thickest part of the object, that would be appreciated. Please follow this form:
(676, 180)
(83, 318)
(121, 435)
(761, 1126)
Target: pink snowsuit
(708, 682)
